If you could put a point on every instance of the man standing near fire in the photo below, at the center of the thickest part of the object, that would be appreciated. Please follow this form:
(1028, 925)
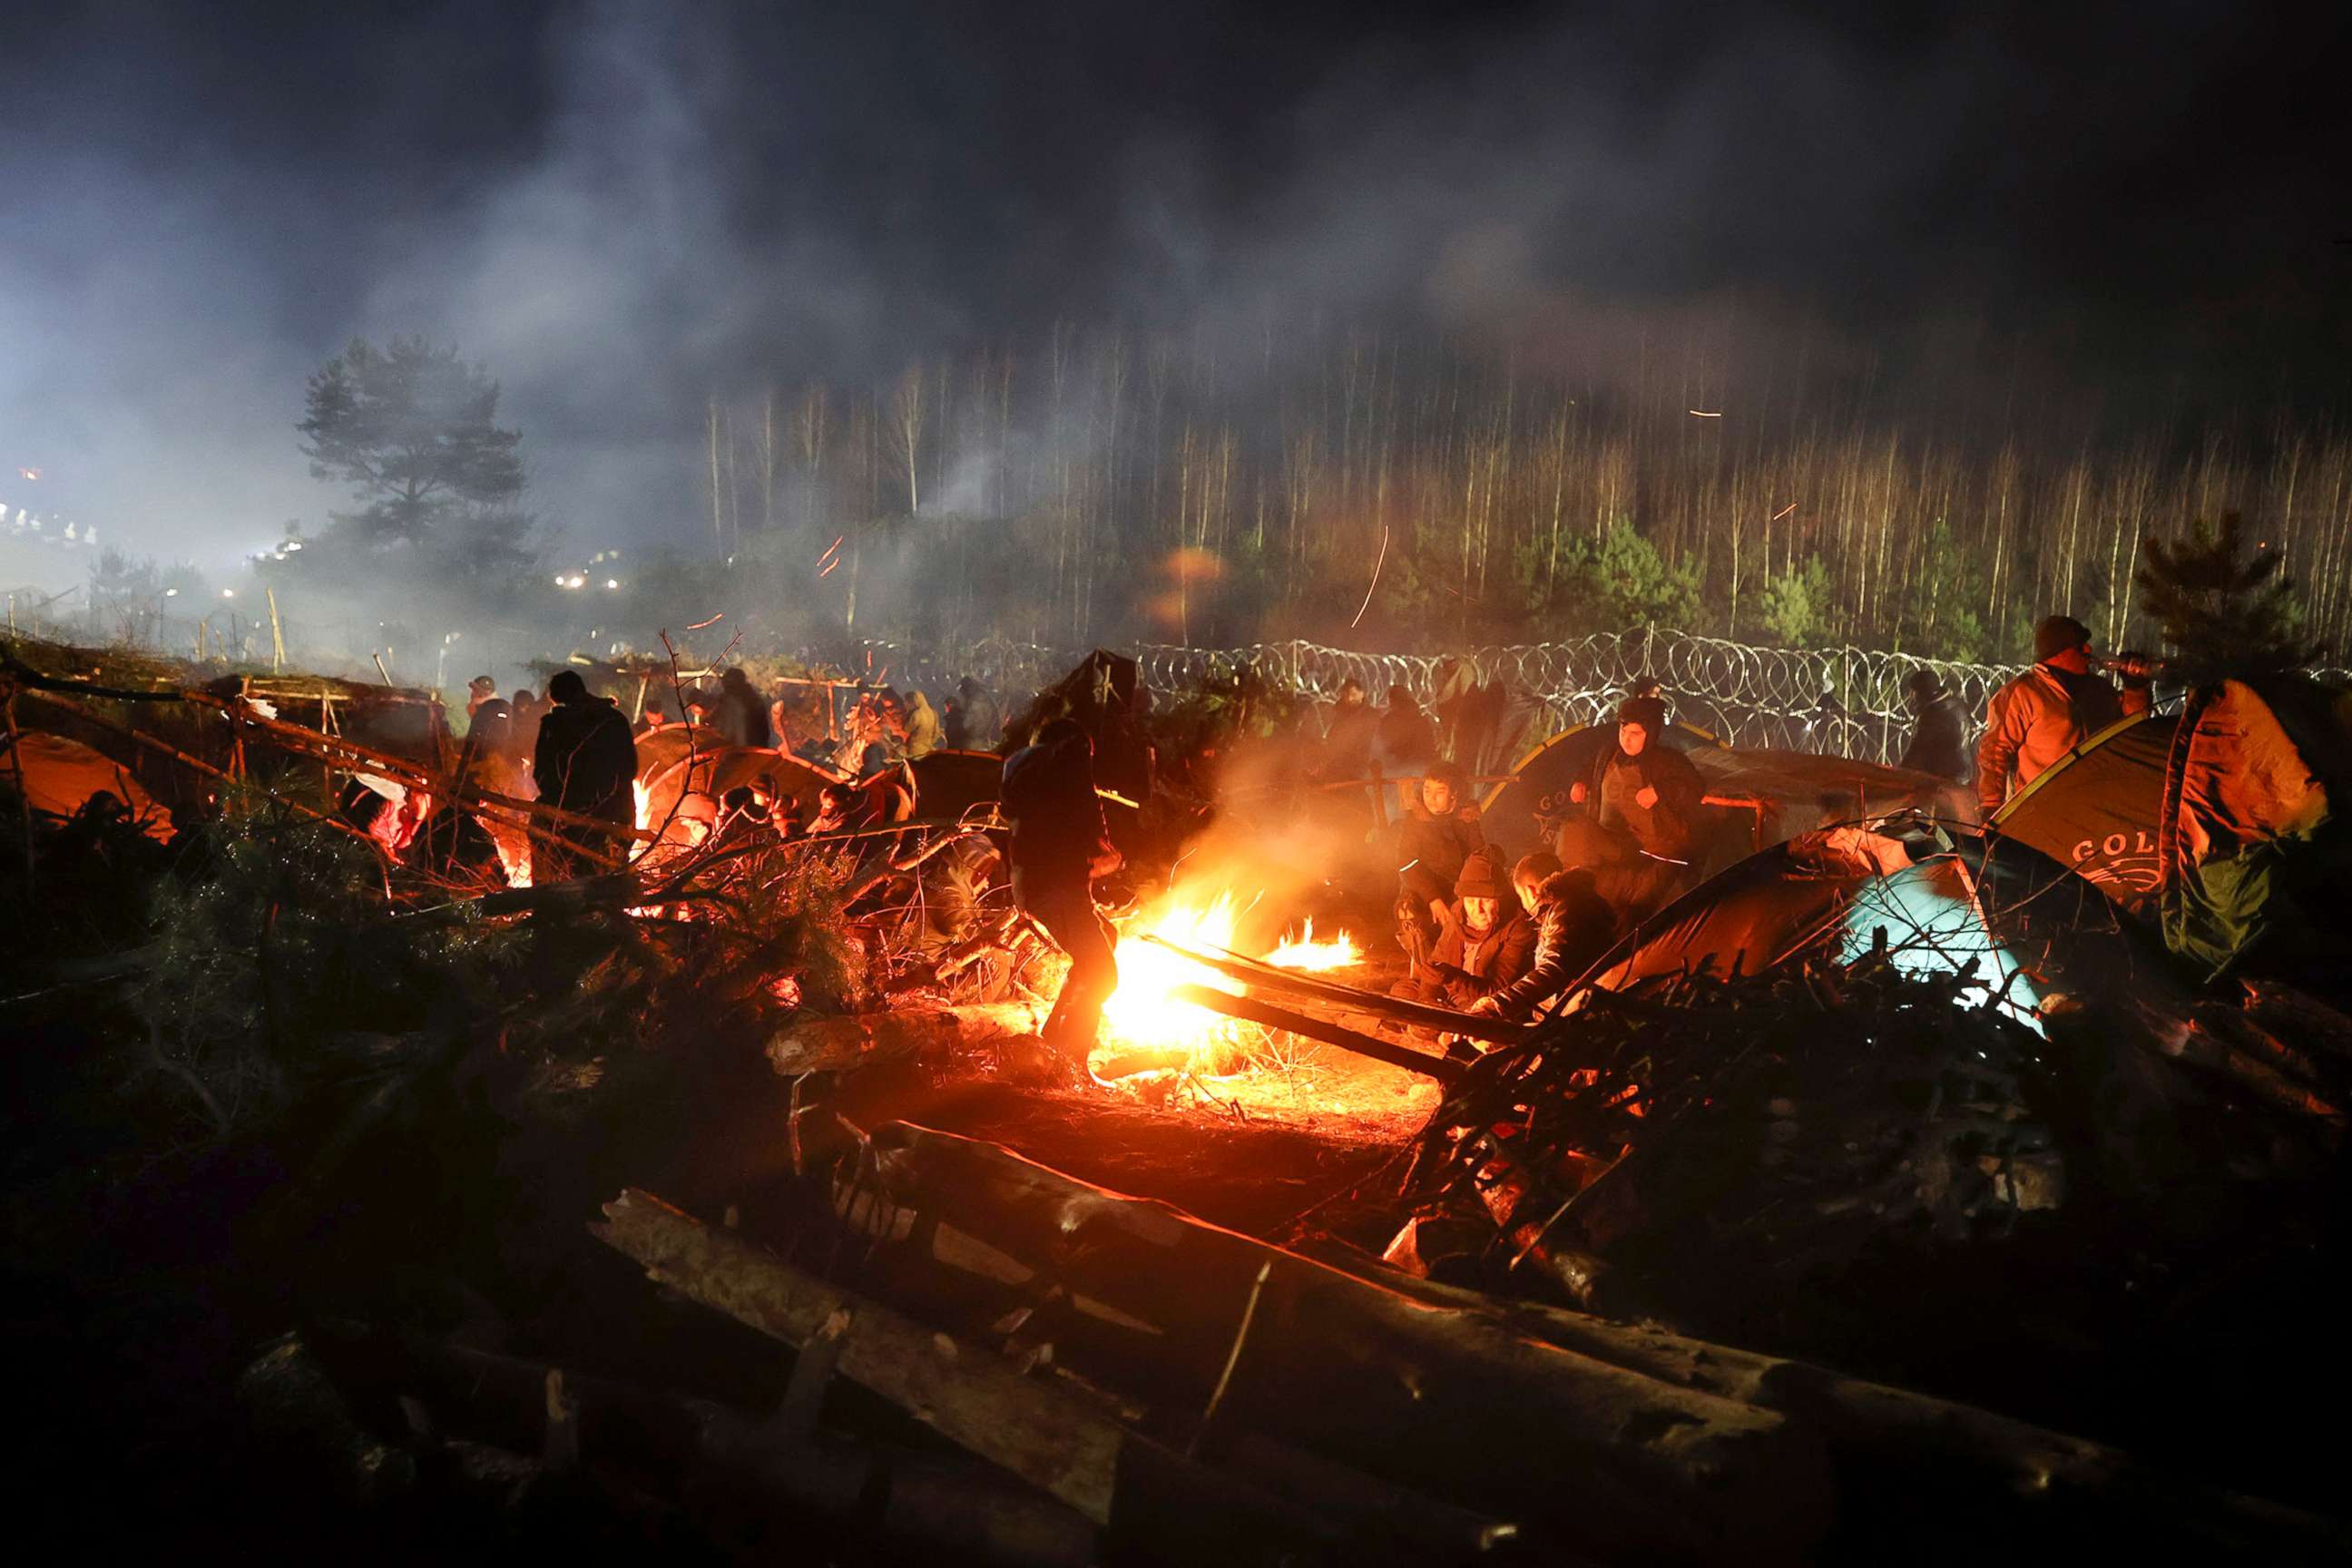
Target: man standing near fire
(1060, 845)
(584, 761)
(2049, 711)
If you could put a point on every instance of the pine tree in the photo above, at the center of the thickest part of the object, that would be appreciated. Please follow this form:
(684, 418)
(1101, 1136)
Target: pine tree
(2224, 613)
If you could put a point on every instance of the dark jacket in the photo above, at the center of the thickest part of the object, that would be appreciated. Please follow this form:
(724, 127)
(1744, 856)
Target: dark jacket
(741, 718)
(1406, 742)
(1573, 927)
(1438, 844)
(1048, 792)
(586, 759)
(1940, 742)
(1470, 967)
(1348, 743)
(972, 721)
(1668, 829)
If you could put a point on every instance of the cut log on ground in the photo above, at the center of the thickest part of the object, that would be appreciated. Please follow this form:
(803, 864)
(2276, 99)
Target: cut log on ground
(1043, 1434)
(2006, 1477)
(693, 1448)
(1456, 1404)
(1324, 1341)
(863, 1039)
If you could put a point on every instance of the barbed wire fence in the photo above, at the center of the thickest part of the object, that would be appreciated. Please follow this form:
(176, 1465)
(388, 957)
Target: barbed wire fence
(1849, 701)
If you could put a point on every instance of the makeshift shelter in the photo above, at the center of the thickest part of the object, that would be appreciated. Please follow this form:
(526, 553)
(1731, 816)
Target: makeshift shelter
(659, 749)
(1762, 796)
(2095, 808)
(2214, 822)
(1943, 899)
(950, 782)
(716, 771)
(57, 778)
(1522, 812)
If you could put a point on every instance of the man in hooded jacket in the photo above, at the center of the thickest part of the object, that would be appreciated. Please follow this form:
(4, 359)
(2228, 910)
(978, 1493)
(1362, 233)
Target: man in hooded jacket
(740, 716)
(584, 761)
(2041, 715)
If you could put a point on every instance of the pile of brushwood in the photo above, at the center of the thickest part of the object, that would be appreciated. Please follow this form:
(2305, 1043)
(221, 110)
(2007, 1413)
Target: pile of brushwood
(1747, 1138)
(2108, 1218)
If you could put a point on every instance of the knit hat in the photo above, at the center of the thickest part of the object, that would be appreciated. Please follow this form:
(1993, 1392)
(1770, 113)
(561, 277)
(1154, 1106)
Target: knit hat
(1479, 879)
(1650, 712)
(2055, 635)
(1924, 683)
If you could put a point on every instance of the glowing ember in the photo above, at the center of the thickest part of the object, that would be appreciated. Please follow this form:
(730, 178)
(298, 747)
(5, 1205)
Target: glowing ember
(645, 815)
(1303, 952)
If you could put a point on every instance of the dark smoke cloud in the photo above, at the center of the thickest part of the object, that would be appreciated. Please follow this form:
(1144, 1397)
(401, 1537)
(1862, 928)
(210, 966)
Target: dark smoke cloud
(625, 209)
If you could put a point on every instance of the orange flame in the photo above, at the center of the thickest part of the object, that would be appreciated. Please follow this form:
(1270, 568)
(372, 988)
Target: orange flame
(1143, 1012)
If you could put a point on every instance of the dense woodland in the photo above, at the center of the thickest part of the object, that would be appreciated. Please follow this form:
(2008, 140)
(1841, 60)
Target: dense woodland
(1103, 487)
(1368, 491)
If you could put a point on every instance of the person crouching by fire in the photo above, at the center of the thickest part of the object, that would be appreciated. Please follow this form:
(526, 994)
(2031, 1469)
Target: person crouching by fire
(1439, 834)
(1485, 945)
(1060, 845)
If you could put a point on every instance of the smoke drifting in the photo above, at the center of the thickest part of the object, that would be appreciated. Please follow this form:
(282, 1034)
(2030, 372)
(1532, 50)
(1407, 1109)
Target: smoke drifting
(2120, 219)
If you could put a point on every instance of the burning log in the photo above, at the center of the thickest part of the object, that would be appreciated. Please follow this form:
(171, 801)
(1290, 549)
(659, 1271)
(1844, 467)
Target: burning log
(1301, 989)
(843, 1045)
(1267, 1016)
(1453, 1402)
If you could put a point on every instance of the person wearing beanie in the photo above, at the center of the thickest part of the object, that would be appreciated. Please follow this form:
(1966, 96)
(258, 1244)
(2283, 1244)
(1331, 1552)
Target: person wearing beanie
(2038, 718)
(1648, 798)
(1485, 941)
(1939, 740)
(1573, 927)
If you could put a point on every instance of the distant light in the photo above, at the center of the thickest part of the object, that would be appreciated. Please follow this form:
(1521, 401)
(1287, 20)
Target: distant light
(612, 582)
(29, 473)
(293, 544)
(560, 580)
(171, 593)
(228, 592)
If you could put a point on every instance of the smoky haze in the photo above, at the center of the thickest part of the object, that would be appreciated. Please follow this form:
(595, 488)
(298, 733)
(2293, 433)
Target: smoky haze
(2123, 219)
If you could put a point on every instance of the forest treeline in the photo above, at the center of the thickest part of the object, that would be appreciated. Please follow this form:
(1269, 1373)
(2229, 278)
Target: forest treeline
(1388, 492)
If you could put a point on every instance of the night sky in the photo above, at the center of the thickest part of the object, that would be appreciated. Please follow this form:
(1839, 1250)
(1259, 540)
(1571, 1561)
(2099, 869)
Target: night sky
(624, 209)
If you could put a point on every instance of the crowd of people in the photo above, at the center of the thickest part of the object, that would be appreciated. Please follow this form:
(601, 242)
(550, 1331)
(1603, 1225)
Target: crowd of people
(1480, 931)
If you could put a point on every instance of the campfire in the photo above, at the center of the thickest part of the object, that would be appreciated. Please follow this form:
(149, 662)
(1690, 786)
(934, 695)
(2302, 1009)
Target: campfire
(1144, 1026)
